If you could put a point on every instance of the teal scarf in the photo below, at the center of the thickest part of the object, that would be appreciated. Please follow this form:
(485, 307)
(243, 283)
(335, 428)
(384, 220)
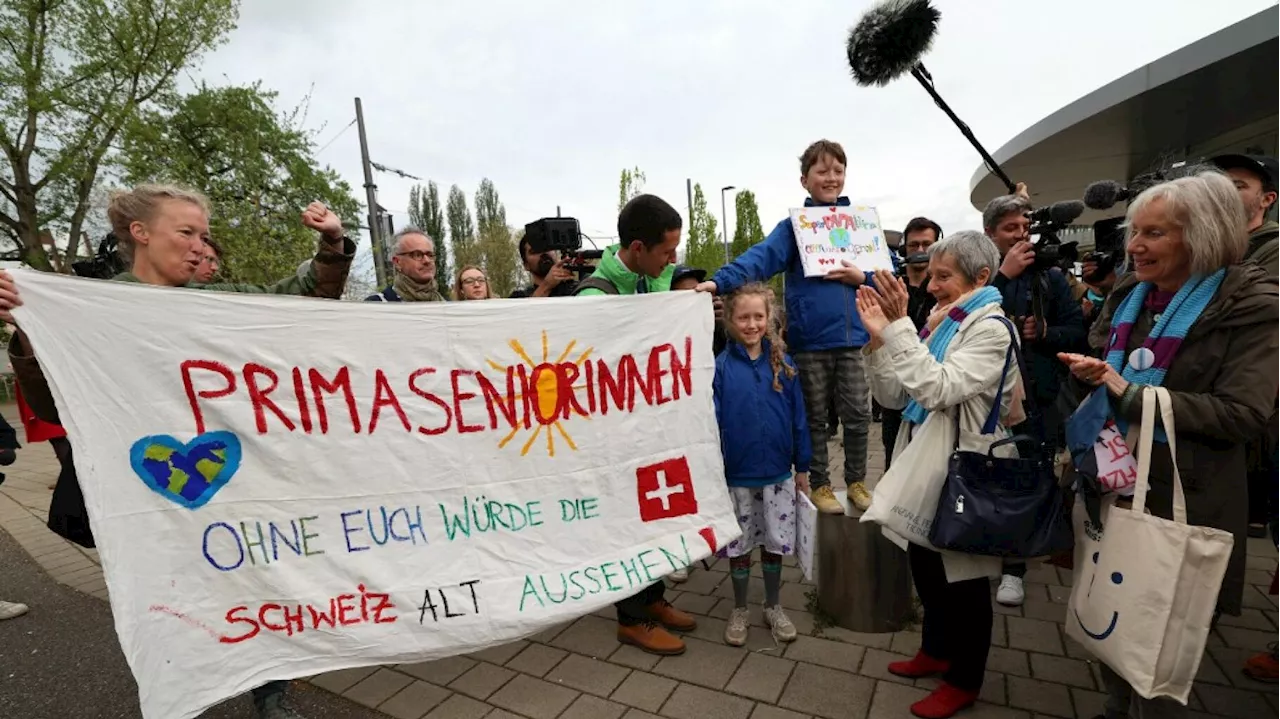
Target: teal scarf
(941, 339)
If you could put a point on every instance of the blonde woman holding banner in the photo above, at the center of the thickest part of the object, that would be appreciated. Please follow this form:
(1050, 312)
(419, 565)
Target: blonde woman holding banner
(162, 231)
(950, 375)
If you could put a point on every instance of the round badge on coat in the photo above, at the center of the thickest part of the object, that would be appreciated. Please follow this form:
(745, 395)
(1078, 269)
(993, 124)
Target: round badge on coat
(1142, 358)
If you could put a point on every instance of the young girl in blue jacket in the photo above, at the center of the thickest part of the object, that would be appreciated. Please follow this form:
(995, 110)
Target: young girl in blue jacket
(764, 435)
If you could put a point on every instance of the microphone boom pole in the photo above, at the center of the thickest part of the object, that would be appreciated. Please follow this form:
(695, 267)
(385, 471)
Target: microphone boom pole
(889, 41)
(921, 74)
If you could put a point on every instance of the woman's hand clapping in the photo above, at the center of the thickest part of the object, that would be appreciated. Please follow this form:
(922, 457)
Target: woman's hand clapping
(871, 312)
(893, 295)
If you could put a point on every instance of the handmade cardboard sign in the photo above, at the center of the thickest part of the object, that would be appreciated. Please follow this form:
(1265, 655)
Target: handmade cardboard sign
(281, 487)
(826, 236)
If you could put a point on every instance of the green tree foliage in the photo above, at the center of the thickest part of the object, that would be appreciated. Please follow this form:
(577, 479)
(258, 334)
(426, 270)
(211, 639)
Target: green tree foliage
(702, 240)
(629, 185)
(747, 230)
(462, 230)
(256, 165)
(497, 248)
(426, 212)
(73, 73)
(362, 281)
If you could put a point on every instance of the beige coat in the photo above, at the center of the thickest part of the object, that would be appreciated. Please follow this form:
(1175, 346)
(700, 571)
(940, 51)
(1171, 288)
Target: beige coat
(966, 381)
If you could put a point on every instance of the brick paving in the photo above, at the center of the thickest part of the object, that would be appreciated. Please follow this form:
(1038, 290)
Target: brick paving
(579, 671)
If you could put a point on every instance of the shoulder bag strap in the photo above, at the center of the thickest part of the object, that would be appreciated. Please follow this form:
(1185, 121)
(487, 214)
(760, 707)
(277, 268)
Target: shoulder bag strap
(1145, 441)
(1170, 433)
(596, 283)
(1015, 348)
(993, 417)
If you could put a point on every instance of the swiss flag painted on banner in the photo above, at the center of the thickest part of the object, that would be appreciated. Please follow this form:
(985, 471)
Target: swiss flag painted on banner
(665, 490)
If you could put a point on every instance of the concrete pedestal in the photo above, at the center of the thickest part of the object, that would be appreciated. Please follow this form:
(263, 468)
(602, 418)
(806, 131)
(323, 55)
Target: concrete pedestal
(864, 580)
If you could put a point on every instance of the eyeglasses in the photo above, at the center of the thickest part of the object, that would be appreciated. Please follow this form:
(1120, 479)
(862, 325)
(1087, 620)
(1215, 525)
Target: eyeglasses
(473, 281)
(417, 255)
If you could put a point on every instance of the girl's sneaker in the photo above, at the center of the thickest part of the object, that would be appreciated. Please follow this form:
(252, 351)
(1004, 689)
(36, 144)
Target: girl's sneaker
(735, 632)
(780, 623)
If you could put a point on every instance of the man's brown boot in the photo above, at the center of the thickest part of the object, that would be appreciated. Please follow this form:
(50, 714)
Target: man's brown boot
(651, 638)
(668, 616)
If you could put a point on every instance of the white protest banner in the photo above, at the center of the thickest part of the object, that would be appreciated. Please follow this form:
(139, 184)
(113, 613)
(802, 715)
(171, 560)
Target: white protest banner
(282, 486)
(827, 235)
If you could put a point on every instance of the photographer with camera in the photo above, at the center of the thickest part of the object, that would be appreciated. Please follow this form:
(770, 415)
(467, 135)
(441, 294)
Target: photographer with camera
(1039, 302)
(550, 276)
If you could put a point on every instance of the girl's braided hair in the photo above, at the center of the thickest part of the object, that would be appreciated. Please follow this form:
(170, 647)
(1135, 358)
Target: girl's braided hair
(777, 348)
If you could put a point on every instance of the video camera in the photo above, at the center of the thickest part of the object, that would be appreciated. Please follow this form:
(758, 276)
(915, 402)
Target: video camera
(1109, 234)
(1047, 222)
(1108, 248)
(107, 263)
(563, 235)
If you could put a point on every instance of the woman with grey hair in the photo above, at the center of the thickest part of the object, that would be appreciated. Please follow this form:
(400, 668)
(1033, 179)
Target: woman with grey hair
(948, 377)
(1192, 319)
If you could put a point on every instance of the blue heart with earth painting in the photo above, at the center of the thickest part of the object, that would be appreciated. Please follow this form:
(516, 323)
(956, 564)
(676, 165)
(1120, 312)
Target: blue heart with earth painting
(186, 474)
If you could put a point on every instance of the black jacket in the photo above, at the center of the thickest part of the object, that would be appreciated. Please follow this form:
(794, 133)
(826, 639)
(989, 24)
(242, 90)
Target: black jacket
(919, 302)
(564, 289)
(1064, 327)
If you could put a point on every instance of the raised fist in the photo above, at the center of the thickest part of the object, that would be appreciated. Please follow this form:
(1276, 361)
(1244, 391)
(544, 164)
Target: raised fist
(322, 220)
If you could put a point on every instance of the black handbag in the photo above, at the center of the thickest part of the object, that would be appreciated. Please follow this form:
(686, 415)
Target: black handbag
(999, 506)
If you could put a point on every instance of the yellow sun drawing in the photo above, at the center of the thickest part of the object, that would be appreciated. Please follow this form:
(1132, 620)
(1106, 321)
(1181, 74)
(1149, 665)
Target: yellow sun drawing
(544, 378)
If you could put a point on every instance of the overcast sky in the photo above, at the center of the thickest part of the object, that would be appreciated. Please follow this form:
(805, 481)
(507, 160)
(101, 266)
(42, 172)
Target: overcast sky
(551, 99)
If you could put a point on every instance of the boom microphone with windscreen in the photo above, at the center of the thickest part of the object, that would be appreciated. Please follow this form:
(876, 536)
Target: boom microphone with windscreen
(1059, 213)
(888, 41)
(1104, 194)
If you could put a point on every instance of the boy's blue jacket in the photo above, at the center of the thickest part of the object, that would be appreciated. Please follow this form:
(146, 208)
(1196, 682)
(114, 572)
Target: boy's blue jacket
(821, 314)
(763, 432)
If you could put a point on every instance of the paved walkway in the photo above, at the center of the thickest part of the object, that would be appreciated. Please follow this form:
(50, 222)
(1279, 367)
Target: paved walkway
(579, 671)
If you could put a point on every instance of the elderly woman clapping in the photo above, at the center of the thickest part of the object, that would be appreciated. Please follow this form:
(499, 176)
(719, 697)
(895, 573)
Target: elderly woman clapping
(1191, 319)
(953, 370)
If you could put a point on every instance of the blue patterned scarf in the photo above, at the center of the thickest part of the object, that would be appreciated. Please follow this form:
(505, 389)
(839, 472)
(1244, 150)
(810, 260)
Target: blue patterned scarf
(1167, 335)
(940, 339)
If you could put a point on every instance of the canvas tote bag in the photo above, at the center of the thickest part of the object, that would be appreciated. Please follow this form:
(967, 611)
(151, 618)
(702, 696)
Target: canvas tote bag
(905, 499)
(1145, 588)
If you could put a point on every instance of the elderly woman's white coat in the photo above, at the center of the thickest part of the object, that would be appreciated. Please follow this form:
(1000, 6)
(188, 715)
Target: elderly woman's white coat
(965, 382)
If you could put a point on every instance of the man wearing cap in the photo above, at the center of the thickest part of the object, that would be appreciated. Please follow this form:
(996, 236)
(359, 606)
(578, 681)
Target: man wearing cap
(1255, 178)
(688, 278)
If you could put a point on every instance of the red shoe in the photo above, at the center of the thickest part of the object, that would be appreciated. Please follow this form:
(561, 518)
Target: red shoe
(944, 702)
(922, 666)
(1263, 667)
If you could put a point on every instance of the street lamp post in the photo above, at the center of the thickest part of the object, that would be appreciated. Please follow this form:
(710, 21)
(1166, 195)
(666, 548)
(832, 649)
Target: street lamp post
(724, 217)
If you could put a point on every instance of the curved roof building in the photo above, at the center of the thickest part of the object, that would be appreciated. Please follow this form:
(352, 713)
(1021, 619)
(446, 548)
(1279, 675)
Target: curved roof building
(1216, 95)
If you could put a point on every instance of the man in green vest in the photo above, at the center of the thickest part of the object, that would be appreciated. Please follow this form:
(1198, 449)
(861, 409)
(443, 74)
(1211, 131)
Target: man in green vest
(643, 261)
